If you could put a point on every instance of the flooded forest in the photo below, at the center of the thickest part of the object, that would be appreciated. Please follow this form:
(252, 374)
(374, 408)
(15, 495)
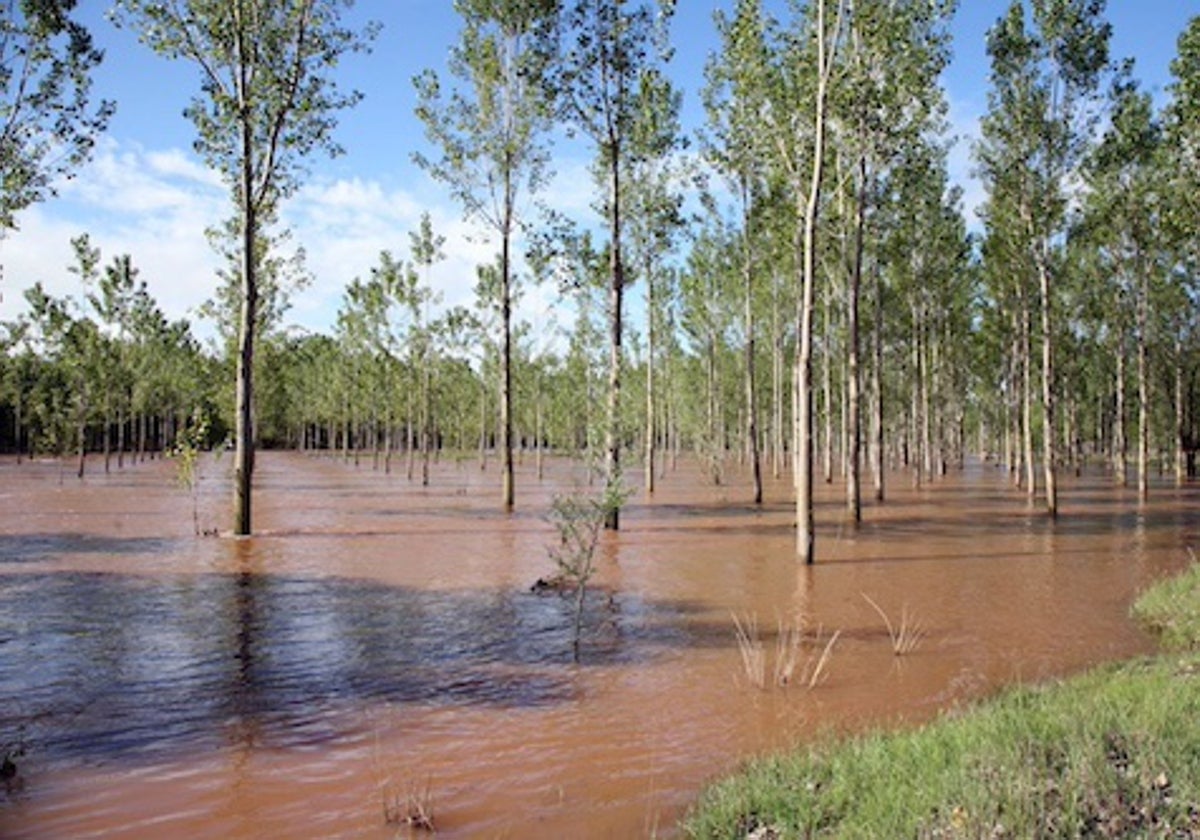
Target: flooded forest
(802, 446)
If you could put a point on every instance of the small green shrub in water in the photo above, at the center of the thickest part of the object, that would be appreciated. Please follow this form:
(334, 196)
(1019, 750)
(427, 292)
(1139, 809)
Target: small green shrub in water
(188, 446)
(578, 521)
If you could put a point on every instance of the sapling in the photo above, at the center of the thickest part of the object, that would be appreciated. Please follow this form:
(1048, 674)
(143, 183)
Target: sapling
(188, 446)
(578, 521)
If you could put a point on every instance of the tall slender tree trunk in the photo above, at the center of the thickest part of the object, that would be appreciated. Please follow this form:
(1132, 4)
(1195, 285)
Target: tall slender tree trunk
(243, 459)
(1180, 430)
(935, 411)
(877, 389)
(426, 411)
(106, 437)
(1007, 420)
(714, 431)
(17, 427)
(539, 427)
(410, 435)
(651, 427)
(1120, 444)
(616, 294)
(916, 402)
(928, 456)
(853, 385)
(1049, 455)
(827, 387)
(390, 442)
(805, 523)
(483, 425)
(751, 388)
(121, 420)
(1143, 391)
(777, 419)
(1027, 458)
(81, 435)
(507, 487)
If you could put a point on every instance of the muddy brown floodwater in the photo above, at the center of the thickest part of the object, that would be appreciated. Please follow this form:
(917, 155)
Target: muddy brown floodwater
(380, 638)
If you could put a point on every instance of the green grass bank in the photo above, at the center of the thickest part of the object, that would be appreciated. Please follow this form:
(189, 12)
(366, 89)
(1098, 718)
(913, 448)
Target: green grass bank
(1111, 753)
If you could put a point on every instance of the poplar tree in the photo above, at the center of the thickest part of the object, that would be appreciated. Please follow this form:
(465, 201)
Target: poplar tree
(654, 221)
(889, 101)
(426, 248)
(1041, 112)
(267, 102)
(734, 98)
(609, 46)
(1181, 161)
(796, 119)
(1123, 220)
(489, 131)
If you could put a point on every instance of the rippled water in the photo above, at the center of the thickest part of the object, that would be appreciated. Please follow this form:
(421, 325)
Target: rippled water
(379, 638)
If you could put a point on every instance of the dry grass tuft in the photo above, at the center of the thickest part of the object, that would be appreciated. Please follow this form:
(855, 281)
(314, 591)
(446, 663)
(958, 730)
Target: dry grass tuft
(750, 645)
(816, 668)
(788, 644)
(797, 661)
(907, 635)
(413, 808)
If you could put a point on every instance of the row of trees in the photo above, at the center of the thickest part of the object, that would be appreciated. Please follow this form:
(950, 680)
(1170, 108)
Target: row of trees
(105, 371)
(813, 299)
(1089, 258)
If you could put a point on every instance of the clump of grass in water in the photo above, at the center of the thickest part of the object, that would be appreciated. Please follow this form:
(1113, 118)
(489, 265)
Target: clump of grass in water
(906, 636)
(407, 804)
(752, 649)
(793, 666)
(412, 808)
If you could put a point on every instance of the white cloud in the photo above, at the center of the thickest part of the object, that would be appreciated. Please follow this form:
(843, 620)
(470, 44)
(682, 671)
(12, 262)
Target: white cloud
(343, 225)
(175, 163)
(155, 204)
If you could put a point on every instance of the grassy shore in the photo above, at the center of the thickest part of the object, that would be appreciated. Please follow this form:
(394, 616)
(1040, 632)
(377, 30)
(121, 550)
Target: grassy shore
(1112, 753)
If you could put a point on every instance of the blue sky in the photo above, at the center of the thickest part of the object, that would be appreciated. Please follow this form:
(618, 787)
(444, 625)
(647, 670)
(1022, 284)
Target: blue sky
(147, 194)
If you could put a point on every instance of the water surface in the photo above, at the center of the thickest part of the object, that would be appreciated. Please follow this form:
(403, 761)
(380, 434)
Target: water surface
(379, 637)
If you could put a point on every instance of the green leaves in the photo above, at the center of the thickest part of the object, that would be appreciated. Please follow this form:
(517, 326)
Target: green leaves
(608, 46)
(489, 121)
(48, 123)
(267, 98)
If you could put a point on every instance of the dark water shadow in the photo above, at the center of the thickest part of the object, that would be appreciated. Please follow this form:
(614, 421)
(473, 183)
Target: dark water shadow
(104, 666)
(707, 510)
(28, 548)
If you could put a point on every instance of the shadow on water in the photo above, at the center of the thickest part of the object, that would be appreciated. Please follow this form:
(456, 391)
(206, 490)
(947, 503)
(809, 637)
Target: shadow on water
(27, 548)
(103, 666)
